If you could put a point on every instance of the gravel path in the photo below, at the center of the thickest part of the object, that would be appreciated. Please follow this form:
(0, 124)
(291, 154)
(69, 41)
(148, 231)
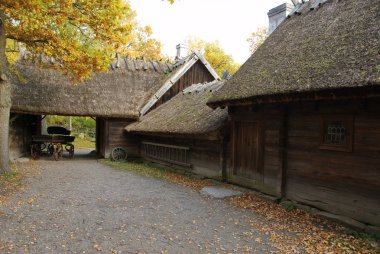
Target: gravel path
(82, 206)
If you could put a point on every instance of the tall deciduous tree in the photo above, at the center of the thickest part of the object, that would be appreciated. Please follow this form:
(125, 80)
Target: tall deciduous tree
(214, 54)
(257, 38)
(5, 99)
(141, 44)
(82, 35)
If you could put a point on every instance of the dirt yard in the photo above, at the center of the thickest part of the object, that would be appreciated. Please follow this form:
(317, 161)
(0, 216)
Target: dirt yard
(83, 206)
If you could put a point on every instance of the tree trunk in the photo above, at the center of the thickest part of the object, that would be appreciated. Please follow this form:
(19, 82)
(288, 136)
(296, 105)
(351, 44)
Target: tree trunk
(4, 126)
(5, 100)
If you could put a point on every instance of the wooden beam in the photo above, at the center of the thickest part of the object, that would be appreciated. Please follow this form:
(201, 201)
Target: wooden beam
(332, 94)
(284, 154)
(223, 159)
(166, 145)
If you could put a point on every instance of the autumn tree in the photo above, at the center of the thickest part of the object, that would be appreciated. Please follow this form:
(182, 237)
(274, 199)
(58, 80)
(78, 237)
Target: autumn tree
(257, 38)
(140, 43)
(214, 54)
(82, 35)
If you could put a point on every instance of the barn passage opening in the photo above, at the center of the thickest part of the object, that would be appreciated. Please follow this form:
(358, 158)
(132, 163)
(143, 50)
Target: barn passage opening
(64, 137)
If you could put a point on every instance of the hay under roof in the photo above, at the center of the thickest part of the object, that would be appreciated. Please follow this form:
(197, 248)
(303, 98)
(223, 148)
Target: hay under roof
(185, 114)
(320, 47)
(122, 92)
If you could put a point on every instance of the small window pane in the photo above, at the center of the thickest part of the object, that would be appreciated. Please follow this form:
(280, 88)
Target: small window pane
(335, 133)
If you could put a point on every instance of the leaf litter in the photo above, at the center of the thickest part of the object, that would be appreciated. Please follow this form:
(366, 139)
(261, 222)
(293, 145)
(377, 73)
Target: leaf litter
(294, 231)
(297, 231)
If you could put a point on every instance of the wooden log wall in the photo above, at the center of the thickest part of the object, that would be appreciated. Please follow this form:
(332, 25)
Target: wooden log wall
(269, 121)
(204, 155)
(198, 73)
(112, 134)
(101, 136)
(21, 129)
(341, 182)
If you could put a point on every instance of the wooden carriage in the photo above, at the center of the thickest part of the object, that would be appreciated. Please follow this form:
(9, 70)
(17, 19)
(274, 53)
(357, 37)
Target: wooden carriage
(58, 139)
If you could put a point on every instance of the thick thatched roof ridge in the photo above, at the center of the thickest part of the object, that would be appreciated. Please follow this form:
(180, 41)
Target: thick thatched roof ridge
(185, 114)
(122, 92)
(332, 46)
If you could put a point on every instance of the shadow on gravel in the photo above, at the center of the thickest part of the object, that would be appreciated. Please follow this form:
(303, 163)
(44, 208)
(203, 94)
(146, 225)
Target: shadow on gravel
(80, 154)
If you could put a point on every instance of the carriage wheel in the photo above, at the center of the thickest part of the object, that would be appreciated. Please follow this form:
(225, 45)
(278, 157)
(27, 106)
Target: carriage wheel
(35, 151)
(58, 151)
(70, 149)
(43, 146)
(118, 154)
(50, 149)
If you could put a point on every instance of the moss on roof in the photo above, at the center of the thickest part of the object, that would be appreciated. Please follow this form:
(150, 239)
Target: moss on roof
(121, 92)
(185, 114)
(334, 46)
(118, 93)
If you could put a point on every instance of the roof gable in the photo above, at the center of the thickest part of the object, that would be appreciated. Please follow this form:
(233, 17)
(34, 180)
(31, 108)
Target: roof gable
(182, 67)
(185, 114)
(122, 92)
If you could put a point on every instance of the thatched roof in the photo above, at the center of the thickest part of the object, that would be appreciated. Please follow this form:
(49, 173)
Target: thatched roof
(334, 45)
(185, 114)
(122, 92)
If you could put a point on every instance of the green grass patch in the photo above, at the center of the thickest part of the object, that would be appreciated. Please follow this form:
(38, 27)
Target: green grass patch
(83, 143)
(183, 178)
(363, 235)
(8, 175)
(138, 166)
(289, 206)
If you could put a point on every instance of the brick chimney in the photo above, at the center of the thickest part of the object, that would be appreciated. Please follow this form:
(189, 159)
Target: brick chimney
(278, 14)
(182, 49)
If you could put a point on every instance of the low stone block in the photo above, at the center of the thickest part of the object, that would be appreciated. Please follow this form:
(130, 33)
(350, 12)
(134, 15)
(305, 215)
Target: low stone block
(219, 192)
(22, 160)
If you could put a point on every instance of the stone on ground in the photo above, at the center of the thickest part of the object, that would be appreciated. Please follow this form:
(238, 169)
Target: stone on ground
(22, 160)
(219, 192)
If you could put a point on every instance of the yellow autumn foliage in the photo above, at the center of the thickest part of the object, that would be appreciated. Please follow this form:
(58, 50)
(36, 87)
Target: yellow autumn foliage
(214, 54)
(82, 35)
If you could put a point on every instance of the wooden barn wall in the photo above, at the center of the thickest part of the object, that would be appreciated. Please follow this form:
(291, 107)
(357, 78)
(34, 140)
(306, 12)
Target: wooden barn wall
(112, 134)
(342, 182)
(198, 73)
(101, 137)
(21, 130)
(204, 155)
(269, 158)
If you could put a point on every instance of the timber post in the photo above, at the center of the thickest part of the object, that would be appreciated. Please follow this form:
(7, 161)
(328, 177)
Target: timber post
(223, 158)
(284, 154)
(5, 101)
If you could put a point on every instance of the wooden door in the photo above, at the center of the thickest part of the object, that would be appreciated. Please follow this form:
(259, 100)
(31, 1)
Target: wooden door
(246, 150)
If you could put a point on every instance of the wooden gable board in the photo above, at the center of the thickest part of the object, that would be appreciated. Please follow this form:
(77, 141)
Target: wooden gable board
(169, 83)
(207, 65)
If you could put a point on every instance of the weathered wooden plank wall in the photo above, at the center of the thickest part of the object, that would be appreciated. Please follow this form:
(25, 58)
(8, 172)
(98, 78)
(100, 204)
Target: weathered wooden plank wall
(341, 182)
(101, 136)
(198, 73)
(112, 134)
(268, 158)
(21, 129)
(204, 155)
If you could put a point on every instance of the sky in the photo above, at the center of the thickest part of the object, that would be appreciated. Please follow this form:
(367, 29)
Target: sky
(228, 21)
